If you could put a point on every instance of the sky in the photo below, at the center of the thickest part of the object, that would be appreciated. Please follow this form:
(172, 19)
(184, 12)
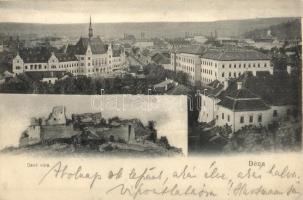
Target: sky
(169, 112)
(61, 12)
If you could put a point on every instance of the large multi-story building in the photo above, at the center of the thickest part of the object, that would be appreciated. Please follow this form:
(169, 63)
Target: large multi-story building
(88, 57)
(188, 60)
(203, 65)
(224, 64)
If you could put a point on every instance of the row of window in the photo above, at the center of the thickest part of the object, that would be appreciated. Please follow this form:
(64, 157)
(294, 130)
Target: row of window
(239, 65)
(89, 71)
(77, 71)
(35, 67)
(242, 118)
(40, 66)
(244, 65)
(183, 59)
(99, 62)
(235, 65)
(68, 65)
(117, 59)
(207, 71)
(251, 117)
(232, 74)
(208, 63)
(187, 68)
(97, 70)
(206, 80)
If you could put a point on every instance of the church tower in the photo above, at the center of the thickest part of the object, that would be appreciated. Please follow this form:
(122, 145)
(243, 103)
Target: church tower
(90, 30)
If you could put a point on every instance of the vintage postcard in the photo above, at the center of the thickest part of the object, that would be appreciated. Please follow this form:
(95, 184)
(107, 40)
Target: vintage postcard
(151, 99)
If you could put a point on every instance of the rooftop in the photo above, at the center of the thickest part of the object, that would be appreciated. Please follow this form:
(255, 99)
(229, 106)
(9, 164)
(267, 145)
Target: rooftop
(194, 49)
(264, 86)
(234, 54)
(35, 55)
(249, 104)
(80, 48)
(42, 55)
(161, 58)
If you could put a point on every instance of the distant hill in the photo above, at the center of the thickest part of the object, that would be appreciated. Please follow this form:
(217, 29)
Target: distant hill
(151, 29)
(286, 30)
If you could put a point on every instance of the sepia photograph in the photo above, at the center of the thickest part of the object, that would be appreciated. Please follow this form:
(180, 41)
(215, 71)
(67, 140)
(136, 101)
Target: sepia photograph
(242, 76)
(72, 125)
(150, 99)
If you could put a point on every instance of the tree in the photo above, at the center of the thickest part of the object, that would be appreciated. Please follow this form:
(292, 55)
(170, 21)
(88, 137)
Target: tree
(182, 78)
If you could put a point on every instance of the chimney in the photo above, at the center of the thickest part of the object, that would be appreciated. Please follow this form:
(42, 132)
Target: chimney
(239, 85)
(225, 84)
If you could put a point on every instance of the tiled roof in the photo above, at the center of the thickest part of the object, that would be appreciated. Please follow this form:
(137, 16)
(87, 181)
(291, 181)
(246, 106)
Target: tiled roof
(35, 55)
(195, 49)
(96, 44)
(42, 55)
(243, 104)
(242, 94)
(243, 100)
(231, 54)
(267, 87)
(62, 57)
(160, 58)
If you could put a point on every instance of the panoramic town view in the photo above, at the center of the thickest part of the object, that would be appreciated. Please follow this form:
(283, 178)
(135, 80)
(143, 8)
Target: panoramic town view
(242, 77)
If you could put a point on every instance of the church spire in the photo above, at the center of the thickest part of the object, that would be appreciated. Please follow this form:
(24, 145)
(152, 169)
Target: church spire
(90, 30)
